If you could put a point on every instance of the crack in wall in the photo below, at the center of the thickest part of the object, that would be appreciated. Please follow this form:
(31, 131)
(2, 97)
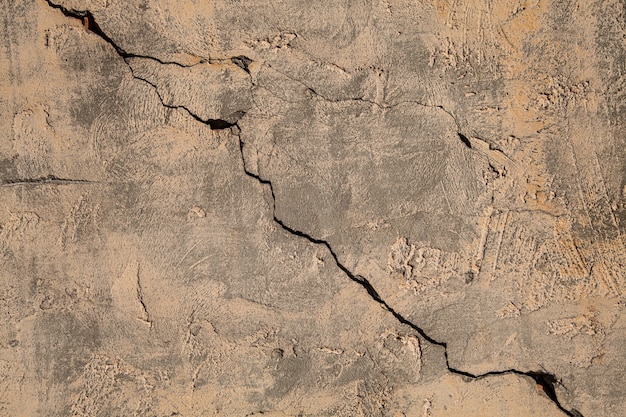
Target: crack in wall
(385, 106)
(545, 380)
(465, 140)
(141, 300)
(45, 180)
(214, 124)
(90, 24)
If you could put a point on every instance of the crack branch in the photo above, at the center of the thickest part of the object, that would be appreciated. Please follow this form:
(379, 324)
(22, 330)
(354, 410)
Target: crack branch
(214, 124)
(146, 314)
(47, 180)
(464, 139)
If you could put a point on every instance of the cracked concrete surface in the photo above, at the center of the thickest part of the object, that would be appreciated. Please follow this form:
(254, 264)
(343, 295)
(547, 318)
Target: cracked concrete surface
(337, 208)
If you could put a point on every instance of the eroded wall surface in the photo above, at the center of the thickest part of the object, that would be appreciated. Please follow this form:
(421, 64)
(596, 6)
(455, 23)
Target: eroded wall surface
(323, 208)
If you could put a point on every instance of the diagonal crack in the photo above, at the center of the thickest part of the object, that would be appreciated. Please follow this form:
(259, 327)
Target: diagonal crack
(90, 24)
(215, 124)
(545, 380)
(89, 21)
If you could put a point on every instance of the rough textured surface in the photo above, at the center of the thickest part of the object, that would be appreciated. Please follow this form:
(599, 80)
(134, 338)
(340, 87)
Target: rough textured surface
(312, 208)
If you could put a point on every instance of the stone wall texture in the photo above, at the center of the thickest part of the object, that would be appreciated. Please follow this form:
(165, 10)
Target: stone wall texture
(313, 208)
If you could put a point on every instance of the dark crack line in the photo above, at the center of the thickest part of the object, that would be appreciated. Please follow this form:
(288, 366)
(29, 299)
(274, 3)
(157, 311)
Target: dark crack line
(91, 25)
(464, 139)
(242, 62)
(141, 300)
(47, 180)
(214, 124)
(545, 380)
(89, 21)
